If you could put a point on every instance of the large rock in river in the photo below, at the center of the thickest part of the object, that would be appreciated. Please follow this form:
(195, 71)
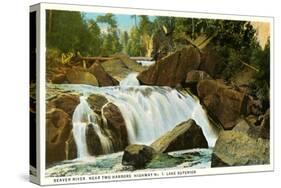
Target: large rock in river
(186, 135)
(103, 77)
(222, 102)
(115, 123)
(120, 66)
(235, 148)
(172, 69)
(81, 77)
(138, 155)
(96, 102)
(58, 128)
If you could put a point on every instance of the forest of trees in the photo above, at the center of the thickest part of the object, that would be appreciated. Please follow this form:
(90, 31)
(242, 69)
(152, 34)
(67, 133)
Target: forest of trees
(235, 41)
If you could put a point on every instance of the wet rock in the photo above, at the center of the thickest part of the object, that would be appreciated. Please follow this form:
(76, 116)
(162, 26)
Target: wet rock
(129, 63)
(115, 123)
(71, 148)
(186, 135)
(103, 78)
(66, 102)
(223, 102)
(120, 66)
(96, 102)
(138, 155)
(238, 149)
(58, 128)
(93, 141)
(81, 77)
(172, 69)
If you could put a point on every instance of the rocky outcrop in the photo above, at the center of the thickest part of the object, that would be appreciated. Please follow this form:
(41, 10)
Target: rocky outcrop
(115, 123)
(235, 148)
(93, 141)
(186, 135)
(81, 77)
(138, 155)
(58, 128)
(120, 66)
(66, 102)
(129, 63)
(172, 69)
(70, 148)
(256, 127)
(195, 76)
(223, 102)
(96, 102)
(104, 79)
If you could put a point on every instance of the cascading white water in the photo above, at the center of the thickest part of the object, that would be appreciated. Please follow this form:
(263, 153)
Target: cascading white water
(150, 111)
(145, 63)
(84, 116)
(130, 80)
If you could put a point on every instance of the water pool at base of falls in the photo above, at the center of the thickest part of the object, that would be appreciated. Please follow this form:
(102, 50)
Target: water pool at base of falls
(111, 163)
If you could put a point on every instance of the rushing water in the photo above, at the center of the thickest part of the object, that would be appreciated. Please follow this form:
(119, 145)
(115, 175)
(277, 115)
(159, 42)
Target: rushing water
(112, 163)
(145, 63)
(148, 111)
(84, 116)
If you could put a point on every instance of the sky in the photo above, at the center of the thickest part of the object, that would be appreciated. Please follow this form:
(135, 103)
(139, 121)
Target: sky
(124, 22)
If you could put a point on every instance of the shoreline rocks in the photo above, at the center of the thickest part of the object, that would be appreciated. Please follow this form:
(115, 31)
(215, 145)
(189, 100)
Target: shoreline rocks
(223, 102)
(235, 148)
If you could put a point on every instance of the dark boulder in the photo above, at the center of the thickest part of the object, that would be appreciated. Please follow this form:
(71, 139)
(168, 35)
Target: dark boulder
(104, 79)
(172, 69)
(93, 141)
(186, 135)
(115, 123)
(138, 155)
(223, 102)
(71, 148)
(195, 76)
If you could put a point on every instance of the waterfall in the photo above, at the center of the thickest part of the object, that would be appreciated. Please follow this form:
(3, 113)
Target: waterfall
(84, 116)
(130, 80)
(151, 111)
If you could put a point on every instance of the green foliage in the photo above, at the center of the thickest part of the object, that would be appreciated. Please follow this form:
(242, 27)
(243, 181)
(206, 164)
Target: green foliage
(133, 47)
(108, 19)
(62, 29)
(261, 59)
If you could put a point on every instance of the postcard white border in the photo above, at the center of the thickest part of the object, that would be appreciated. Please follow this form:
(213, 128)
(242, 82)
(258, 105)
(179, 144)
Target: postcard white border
(138, 11)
